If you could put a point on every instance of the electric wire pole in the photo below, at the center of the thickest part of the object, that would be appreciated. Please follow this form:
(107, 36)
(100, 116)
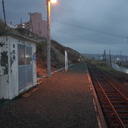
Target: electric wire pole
(104, 58)
(4, 15)
(110, 63)
(48, 40)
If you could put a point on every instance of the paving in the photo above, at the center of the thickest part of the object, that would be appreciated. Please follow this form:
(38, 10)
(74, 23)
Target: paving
(62, 101)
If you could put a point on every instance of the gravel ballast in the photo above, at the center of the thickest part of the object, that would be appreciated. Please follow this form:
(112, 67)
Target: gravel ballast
(62, 101)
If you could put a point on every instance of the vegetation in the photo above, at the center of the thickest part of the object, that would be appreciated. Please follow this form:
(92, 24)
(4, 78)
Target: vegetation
(57, 56)
(2, 26)
(106, 68)
(57, 50)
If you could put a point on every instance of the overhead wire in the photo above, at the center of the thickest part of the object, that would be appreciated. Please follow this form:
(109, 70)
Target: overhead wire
(86, 38)
(78, 36)
(112, 34)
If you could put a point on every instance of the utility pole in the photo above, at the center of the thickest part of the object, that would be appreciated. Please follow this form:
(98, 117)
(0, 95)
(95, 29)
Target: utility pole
(104, 58)
(110, 63)
(120, 57)
(4, 15)
(21, 22)
(31, 21)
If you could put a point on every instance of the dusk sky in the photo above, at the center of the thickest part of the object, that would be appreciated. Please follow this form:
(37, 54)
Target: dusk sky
(88, 26)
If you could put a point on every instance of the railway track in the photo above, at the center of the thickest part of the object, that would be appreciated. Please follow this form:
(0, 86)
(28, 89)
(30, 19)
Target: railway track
(113, 103)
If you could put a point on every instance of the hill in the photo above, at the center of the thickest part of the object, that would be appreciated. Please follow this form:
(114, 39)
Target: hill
(57, 56)
(57, 50)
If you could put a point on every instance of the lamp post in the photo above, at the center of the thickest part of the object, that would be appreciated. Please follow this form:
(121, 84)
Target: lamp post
(48, 37)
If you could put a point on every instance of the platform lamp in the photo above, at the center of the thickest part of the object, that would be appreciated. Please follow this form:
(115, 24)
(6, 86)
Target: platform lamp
(48, 37)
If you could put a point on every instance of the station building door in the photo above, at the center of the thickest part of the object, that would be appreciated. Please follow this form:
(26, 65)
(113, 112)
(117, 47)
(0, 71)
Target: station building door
(24, 66)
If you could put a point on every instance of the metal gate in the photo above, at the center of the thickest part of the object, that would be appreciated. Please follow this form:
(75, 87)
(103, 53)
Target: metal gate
(24, 66)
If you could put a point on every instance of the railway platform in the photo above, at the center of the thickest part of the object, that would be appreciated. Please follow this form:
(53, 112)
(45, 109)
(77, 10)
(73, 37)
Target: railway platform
(62, 101)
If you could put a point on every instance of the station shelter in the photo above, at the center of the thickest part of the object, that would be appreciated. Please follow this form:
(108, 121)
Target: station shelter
(17, 64)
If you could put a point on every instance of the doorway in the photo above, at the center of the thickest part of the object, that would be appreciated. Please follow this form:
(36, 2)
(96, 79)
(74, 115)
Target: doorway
(24, 66)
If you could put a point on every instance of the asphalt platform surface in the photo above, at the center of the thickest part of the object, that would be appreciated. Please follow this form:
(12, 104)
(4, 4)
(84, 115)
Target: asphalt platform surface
(62, 101)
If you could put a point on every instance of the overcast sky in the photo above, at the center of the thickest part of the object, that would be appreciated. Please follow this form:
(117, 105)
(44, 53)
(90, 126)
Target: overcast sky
(88, 26)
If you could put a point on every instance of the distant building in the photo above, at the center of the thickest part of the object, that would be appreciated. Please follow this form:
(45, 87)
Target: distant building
(35, 25)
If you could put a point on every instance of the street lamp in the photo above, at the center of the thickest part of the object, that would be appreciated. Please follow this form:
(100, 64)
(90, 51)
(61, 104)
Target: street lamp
(53, 1)
(48, 37)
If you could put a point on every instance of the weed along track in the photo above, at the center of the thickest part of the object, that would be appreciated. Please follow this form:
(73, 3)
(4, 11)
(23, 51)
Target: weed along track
(114, 104)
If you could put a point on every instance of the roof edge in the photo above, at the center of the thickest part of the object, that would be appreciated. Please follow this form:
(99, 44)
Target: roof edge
(18, 35)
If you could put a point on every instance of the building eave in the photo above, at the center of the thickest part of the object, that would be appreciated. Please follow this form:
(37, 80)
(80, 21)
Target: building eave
(19, 36)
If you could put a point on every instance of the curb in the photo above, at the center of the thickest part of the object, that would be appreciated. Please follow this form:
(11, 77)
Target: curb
(39, 80)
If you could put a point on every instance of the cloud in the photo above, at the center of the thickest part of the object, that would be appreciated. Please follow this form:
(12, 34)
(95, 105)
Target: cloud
(85, 25)
(106, 19)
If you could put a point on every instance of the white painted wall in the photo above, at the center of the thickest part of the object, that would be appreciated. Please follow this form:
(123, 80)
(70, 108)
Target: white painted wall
(4, 77)
(9, 84)
(13, 66)
(34, 64)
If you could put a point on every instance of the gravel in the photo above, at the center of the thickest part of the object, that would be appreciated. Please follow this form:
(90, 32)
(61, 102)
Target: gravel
(61, 101)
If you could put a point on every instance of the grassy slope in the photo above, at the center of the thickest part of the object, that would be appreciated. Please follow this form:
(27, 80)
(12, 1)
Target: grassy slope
(57, 51)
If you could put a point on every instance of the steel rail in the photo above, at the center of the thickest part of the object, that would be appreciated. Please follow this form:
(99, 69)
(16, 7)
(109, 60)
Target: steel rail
(101, 119)
(116, 114)
(125, 98)
(104, 93)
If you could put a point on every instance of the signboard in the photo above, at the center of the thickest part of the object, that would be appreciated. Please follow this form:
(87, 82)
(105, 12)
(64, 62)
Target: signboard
(34, 57)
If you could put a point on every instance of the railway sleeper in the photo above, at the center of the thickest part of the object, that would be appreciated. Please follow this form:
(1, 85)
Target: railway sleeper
(110, 117)
(119, 111)
(126, 107)
(114, 96)
(107, 111)
(106, 106)
(122, 111)
(124, 118)
(112, 93)
(121, 103)
(126, 125)
(112, 99)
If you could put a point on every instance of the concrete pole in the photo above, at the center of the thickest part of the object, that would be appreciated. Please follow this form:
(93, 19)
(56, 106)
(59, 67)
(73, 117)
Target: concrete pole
(66, 61)
(110, 63)
(5, 24)
(48, 40)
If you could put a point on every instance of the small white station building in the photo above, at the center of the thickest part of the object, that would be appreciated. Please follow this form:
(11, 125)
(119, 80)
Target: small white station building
(17, 64)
